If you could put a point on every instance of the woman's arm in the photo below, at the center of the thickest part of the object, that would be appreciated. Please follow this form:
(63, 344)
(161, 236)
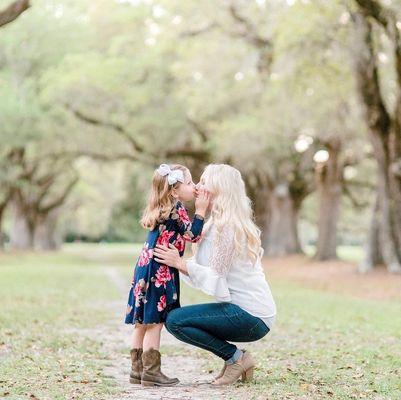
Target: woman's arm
(171, 257)
(212, 278)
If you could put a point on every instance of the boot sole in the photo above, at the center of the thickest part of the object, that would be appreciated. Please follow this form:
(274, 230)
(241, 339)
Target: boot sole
(135, 381)
(149, 384)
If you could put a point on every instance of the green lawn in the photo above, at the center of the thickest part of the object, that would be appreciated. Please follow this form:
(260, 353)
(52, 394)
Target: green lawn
(45, 299)
(346, 253)
(323, 345)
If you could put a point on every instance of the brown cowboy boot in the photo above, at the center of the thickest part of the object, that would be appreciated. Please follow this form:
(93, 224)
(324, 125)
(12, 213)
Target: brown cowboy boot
(241, 368)
(221, 373)
(136, 366)
(151, 374)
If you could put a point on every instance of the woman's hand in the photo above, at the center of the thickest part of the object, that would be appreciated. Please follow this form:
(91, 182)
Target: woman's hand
(169, 256)
(202, 201)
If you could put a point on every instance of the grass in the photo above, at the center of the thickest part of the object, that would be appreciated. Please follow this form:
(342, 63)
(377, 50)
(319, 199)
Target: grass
(346, 253)
(45, 299)
(322, 346)
(326, 345)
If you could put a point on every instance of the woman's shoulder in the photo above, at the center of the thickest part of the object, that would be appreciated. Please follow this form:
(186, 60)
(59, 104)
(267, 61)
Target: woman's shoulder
(227, 229)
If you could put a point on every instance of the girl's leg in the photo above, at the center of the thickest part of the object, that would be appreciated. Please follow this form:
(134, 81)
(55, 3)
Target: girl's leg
(152, 374)
(136, 353)
(152, 336)
(137, 336)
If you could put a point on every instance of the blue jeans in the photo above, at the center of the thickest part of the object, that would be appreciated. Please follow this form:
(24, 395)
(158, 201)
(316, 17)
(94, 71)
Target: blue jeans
(210, 326)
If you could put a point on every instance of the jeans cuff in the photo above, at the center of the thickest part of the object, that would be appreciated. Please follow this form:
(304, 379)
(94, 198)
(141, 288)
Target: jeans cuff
(235, 357)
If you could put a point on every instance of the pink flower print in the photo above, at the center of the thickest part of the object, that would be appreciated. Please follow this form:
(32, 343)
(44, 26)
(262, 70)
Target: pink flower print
(183, 215)
(179, 243)
(161, 305)
(162, 276)
(164, 238)
(137, 290)
(145, 255)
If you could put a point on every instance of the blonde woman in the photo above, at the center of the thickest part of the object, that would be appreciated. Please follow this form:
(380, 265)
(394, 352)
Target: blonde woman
(226, 265)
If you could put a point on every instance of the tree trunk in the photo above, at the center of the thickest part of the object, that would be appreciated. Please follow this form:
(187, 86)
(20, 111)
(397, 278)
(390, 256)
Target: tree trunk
(2, 208)
(282, 235)
(45, 233)
(390, 226)
(385, 135)
(329, 187)
(372, 254)
(258, 190)
(21, 235)
(262, 219)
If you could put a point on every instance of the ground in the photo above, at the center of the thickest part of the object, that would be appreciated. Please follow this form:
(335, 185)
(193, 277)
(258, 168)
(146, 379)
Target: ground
(337, 334)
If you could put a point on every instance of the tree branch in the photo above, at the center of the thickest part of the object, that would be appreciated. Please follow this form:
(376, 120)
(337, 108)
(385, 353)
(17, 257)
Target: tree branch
(198, 128)
(361, 184)
(93, 155)
(375, 10)
(61, 199)
(357, 204)
(249, 31)
(105, 124)
(199, 31)
(200, 155)
(13, 11)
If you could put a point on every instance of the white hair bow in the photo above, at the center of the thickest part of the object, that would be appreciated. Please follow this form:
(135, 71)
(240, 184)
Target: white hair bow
(174, 176)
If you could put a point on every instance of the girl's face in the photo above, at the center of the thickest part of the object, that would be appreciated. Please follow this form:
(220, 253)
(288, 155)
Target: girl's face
(186, 190)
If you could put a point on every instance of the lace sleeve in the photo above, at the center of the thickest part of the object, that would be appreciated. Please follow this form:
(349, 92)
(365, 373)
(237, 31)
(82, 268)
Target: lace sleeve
(212, 278)
(223, 251)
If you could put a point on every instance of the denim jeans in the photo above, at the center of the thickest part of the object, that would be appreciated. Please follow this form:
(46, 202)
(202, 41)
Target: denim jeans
(210, 327)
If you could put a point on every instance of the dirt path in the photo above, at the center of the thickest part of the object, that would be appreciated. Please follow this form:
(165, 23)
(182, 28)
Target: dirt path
(181, 361)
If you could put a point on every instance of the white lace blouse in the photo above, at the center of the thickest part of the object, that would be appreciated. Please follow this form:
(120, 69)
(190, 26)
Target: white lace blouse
(216, 270)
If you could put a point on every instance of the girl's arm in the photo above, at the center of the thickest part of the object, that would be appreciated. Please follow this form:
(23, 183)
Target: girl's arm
(190, 230)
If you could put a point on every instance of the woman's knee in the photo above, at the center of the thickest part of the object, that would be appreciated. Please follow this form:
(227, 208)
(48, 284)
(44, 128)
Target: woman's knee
(172, 321)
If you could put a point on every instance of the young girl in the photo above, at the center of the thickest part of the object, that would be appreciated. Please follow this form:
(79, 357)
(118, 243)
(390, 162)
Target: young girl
(155, 288)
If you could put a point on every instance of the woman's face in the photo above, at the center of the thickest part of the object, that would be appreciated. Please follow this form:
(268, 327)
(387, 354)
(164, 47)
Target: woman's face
(203, 185)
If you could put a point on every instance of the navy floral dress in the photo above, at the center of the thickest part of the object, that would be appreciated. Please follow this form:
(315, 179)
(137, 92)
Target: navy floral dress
(155, 288)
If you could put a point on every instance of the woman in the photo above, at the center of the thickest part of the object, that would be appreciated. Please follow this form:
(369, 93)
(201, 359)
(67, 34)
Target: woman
(226, 265)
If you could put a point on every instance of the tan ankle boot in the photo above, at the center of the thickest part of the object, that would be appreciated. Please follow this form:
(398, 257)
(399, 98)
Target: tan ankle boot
(151, 374)
(221, 373)
(136, 366)
(242, 368)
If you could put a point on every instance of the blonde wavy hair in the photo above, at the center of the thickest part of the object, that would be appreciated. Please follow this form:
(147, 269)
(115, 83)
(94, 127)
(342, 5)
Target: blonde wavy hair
(160, 199)
(232, 207)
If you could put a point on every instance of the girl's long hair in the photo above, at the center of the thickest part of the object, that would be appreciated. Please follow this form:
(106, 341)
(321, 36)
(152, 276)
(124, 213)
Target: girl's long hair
(232, 208)
(160, 199)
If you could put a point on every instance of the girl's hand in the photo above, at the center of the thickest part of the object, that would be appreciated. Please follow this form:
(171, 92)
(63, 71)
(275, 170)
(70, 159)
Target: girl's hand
(202, 202)
(169, 256)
